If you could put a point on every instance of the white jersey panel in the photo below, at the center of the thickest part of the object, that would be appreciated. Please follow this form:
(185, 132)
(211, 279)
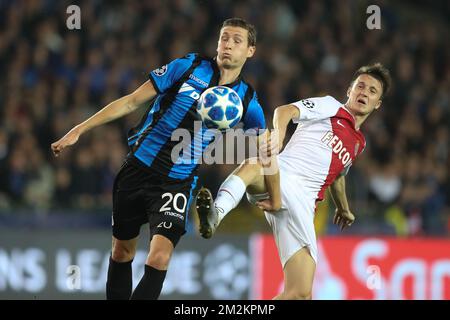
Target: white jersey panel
(305, 155)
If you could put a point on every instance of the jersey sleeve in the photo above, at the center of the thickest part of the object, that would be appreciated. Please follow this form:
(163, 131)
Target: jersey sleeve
(254, 120)
(316, 108)
(165, 76)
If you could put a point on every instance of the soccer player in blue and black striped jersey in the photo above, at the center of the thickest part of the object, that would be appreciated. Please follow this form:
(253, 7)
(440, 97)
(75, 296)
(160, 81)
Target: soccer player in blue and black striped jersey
(151, 187)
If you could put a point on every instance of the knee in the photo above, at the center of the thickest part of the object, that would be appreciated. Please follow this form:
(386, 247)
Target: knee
(249, 168)
(122, 253)
(251, 164)
(159, 259)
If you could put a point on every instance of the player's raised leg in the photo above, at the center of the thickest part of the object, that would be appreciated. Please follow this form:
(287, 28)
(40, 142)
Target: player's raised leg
(119, 282)
(298, 276)
(248, 176)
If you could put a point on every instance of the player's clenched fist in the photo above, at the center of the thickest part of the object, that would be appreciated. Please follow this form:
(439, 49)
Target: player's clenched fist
(69, 139)
(343, 218)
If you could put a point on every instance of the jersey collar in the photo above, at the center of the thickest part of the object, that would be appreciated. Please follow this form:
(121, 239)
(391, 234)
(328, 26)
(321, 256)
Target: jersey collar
(352, 119)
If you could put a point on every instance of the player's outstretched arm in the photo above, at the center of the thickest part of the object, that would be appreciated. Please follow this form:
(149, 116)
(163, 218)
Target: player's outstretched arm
(112, 111)
(281, 118)
(343, 217)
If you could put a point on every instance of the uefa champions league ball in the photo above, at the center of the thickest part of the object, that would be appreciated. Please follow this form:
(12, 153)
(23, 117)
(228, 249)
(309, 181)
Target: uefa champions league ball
(220, 108)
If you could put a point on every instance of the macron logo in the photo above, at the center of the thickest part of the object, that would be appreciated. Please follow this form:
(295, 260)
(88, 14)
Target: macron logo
(203, 83)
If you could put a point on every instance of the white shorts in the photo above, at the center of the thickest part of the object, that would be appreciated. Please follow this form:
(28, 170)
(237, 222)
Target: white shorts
(293, 224)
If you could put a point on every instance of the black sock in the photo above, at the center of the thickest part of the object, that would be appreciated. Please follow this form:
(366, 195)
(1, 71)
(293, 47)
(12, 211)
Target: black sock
(119, 283)
(150, 286)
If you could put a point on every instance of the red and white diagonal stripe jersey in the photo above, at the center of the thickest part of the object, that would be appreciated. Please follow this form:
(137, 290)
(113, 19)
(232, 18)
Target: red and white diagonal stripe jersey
(323, 145)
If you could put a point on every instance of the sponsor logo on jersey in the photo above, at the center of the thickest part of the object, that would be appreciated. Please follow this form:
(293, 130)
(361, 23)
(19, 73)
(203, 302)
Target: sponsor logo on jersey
(188, 88)
(200, 81)
(337, 146)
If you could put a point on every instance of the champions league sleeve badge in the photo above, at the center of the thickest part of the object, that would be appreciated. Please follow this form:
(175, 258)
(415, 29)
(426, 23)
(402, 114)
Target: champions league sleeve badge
(160, 71)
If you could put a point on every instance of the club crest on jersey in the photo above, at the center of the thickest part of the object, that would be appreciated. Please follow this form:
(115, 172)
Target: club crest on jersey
(337, 146)
(160, 71)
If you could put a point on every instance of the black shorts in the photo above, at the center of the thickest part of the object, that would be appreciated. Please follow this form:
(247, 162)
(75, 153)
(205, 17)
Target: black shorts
(141, 197)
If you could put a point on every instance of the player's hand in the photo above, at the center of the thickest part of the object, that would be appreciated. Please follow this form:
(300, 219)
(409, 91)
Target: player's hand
(266, 205)
(268, 149)
(343, 218)
(69, 139)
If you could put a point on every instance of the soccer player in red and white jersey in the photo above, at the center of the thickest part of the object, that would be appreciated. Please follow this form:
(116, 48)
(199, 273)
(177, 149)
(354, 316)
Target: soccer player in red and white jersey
(326, 142)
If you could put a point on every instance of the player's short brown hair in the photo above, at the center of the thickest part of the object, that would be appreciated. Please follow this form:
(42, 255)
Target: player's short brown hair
(239, 22)
(379, 72)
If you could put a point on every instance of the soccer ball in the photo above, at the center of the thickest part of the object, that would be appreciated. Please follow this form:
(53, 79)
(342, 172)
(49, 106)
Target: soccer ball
(220, 108)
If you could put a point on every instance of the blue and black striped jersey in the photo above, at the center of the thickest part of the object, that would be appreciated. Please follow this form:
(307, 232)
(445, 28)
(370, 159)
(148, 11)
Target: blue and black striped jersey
(179, 85)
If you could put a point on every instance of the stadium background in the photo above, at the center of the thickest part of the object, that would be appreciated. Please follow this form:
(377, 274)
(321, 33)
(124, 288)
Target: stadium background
(55, 213)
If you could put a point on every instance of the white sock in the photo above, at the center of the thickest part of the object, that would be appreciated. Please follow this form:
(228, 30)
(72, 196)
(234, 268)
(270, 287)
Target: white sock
(229, 195)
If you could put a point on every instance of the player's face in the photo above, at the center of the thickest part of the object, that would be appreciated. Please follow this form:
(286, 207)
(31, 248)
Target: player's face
(233, 48)
(364, 95)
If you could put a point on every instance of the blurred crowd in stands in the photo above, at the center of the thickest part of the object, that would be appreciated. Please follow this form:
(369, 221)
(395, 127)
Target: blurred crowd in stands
(53, 78)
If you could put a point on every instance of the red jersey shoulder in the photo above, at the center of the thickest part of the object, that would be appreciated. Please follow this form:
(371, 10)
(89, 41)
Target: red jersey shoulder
(343, 124)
